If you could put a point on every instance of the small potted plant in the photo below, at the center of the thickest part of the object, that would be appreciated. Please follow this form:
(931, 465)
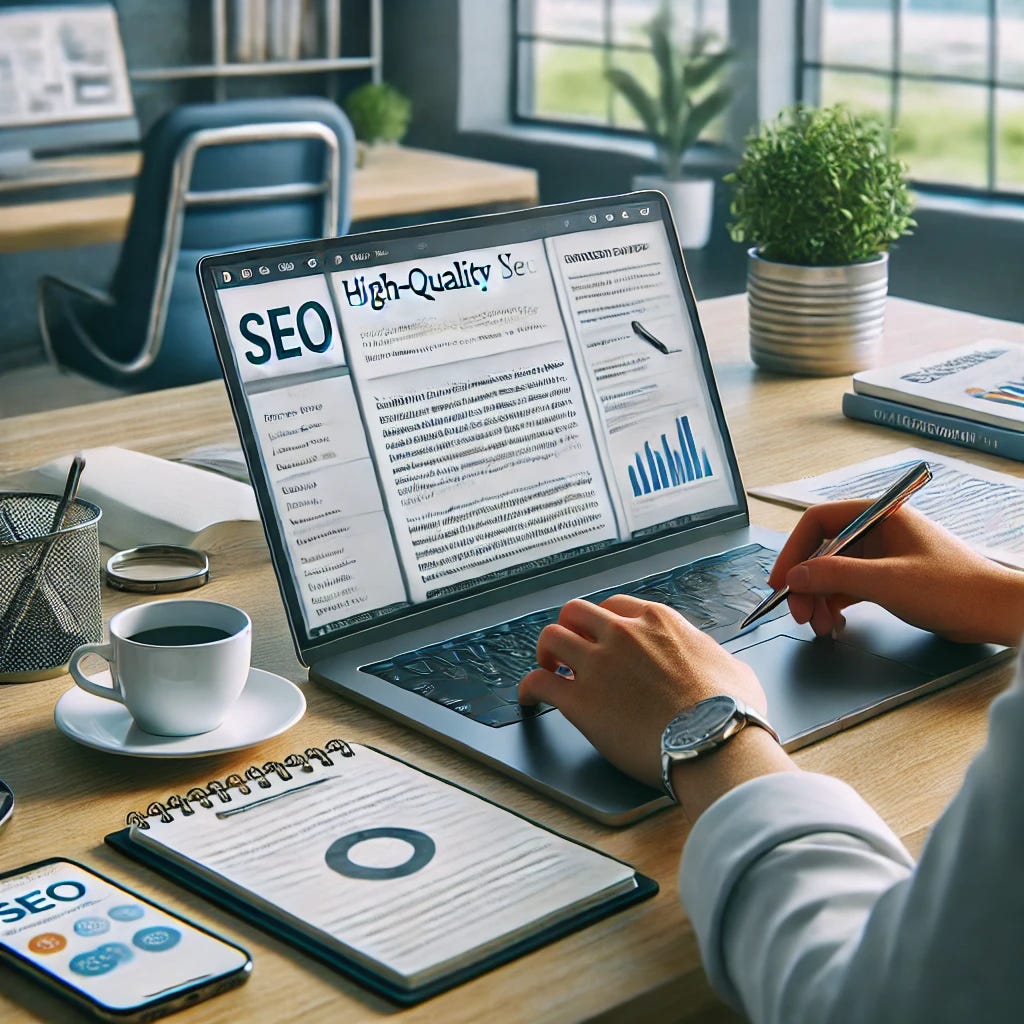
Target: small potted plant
(820, 196)
(691, 92)
(379, 114)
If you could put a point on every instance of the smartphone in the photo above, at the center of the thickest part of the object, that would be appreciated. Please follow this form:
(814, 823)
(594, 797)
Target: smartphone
(106, 948)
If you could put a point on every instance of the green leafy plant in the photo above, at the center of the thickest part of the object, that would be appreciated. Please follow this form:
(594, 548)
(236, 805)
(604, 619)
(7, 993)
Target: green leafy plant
(691, 92)
(378, 112)
(820, 187)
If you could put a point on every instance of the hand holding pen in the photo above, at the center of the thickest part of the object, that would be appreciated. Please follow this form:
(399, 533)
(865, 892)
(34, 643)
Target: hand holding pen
(876, 513)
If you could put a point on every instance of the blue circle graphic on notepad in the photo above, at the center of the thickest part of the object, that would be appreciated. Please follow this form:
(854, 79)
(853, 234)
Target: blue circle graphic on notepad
(338, 853)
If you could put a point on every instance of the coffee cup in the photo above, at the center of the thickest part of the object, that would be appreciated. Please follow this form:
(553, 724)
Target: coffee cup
(177, 666)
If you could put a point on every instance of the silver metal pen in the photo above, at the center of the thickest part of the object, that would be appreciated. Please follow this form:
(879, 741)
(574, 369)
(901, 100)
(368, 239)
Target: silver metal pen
(877, 512)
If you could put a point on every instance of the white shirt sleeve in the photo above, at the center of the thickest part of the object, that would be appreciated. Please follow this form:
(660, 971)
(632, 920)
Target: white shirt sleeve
(808, 908)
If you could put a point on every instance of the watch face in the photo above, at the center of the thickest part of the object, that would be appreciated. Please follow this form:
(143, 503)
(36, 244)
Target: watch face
(693, 727)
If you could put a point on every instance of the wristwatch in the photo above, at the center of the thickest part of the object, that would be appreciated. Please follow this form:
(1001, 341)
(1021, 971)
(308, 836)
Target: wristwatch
(702, 728)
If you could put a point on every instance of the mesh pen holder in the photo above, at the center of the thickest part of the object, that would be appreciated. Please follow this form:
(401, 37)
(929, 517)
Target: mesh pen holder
(49, 584)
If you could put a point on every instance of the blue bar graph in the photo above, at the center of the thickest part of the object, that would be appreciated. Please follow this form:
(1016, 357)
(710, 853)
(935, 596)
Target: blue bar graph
(661, 467)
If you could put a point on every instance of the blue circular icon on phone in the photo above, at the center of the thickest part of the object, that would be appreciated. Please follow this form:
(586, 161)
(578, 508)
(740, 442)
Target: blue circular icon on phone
(92, 926)
(93, 964)
(126, 912)
(156, 939)
(117, 951)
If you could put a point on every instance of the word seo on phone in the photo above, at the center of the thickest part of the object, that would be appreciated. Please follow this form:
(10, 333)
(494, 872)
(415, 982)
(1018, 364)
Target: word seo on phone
(106, 948)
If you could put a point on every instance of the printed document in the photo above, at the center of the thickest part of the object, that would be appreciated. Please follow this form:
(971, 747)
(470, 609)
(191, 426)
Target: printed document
(981, 507)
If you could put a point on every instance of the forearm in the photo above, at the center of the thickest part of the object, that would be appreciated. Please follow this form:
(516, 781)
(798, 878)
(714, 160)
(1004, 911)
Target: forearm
(1001, 614)
(807, 908)
(698, 783)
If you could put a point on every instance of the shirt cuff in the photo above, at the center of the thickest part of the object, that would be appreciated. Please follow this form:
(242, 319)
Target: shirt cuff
(750, 821)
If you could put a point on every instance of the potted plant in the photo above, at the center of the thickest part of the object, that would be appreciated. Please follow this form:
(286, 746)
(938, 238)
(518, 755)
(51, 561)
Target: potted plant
(691, 92)
(379, 114)
(820, 195)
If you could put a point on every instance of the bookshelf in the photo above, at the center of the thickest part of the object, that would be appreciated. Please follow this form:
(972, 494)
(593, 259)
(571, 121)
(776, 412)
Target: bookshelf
(267, 38)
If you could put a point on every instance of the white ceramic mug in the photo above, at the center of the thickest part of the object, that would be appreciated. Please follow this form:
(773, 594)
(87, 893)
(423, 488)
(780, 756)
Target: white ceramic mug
(177, 666)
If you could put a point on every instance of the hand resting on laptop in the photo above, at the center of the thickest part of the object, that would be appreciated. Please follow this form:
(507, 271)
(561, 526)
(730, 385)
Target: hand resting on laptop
(782, 868)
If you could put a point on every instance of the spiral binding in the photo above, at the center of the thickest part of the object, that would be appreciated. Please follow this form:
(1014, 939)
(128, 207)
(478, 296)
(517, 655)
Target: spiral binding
(261, 776)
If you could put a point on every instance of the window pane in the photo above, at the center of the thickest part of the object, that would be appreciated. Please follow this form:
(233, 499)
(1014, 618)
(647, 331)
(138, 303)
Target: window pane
(857, 33)
(641, 66)
(943, 133)
(581, 19)
(869, 94)
(1010, 140)
(946, 38)
(566, 82)
(1010, 41)
(630, 19)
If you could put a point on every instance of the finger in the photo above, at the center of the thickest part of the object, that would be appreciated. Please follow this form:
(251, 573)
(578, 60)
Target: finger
(856, 579)
(540, 686)
(625, 605)
(818, 523)
(586, 618)
(558, 645)
(801, 607)
(821, 619)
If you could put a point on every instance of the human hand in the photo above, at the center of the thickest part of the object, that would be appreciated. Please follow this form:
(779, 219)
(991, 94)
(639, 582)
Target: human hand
(909, 565)
(635, 665)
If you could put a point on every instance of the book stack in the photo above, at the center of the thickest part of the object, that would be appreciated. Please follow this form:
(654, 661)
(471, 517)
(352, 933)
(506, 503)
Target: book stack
(971, 396)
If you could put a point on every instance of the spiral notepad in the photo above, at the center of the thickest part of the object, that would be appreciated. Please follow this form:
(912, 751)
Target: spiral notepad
(400, 879)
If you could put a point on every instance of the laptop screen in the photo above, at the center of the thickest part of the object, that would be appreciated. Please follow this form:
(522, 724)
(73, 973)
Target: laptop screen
(430, 413)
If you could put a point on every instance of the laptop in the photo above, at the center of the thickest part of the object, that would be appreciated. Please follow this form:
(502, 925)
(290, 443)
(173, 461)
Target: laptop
(454, 428)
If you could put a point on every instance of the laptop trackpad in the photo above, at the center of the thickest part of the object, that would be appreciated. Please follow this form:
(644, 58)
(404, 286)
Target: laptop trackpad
(815, 687)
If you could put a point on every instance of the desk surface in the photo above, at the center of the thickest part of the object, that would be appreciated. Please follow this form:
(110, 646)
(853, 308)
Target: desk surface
(639, 965)
(394, 181)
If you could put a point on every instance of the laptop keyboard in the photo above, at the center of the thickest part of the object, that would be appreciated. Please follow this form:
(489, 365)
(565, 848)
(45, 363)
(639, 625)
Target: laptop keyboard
(477, 674)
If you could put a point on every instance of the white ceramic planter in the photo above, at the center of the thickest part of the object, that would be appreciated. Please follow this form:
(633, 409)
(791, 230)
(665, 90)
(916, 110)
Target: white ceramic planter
(816, 321)
(692, 203)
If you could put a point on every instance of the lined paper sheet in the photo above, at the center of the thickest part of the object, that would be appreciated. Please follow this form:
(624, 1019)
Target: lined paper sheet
(981, 507)
(490, 875)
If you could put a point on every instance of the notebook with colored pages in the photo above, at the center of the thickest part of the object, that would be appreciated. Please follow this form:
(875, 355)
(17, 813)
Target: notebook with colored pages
(399, 879)
(454, 428)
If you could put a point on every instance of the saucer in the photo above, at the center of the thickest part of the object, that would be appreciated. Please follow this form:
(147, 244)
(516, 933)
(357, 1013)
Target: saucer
(269, 704)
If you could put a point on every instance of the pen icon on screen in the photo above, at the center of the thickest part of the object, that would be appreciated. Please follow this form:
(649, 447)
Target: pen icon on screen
(642, 332)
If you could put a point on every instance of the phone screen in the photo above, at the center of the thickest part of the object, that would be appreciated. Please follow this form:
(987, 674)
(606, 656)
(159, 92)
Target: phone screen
(109, 945)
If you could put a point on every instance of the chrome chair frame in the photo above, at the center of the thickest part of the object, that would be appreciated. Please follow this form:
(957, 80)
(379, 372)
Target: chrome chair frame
(181, 200)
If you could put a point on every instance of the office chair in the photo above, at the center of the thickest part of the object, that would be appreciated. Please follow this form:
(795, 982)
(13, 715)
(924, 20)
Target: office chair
(214, 177)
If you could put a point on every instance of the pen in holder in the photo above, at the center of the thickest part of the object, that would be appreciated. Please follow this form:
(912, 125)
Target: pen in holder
(49, 583)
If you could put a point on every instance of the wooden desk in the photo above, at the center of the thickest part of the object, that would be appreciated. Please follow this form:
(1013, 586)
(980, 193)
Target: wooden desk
(641, 965)
(395, 181)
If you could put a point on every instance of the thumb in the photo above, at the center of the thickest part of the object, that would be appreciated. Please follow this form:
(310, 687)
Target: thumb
(861, 578)
(541, 686)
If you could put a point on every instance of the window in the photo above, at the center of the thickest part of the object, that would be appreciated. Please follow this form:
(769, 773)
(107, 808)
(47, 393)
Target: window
(949, 74)
(564, 46)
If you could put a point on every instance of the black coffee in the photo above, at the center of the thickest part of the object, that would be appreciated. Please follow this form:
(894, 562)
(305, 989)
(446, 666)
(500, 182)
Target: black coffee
(179, 636)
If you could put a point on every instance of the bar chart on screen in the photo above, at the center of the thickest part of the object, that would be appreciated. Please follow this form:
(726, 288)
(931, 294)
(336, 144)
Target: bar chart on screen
(661, 466)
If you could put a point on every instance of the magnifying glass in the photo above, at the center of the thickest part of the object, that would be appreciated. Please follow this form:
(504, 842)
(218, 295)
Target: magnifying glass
(6, 801)
(158, 569)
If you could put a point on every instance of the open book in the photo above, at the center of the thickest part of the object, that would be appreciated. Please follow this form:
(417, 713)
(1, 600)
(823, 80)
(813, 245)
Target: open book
(148, 500)
(403, 880)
